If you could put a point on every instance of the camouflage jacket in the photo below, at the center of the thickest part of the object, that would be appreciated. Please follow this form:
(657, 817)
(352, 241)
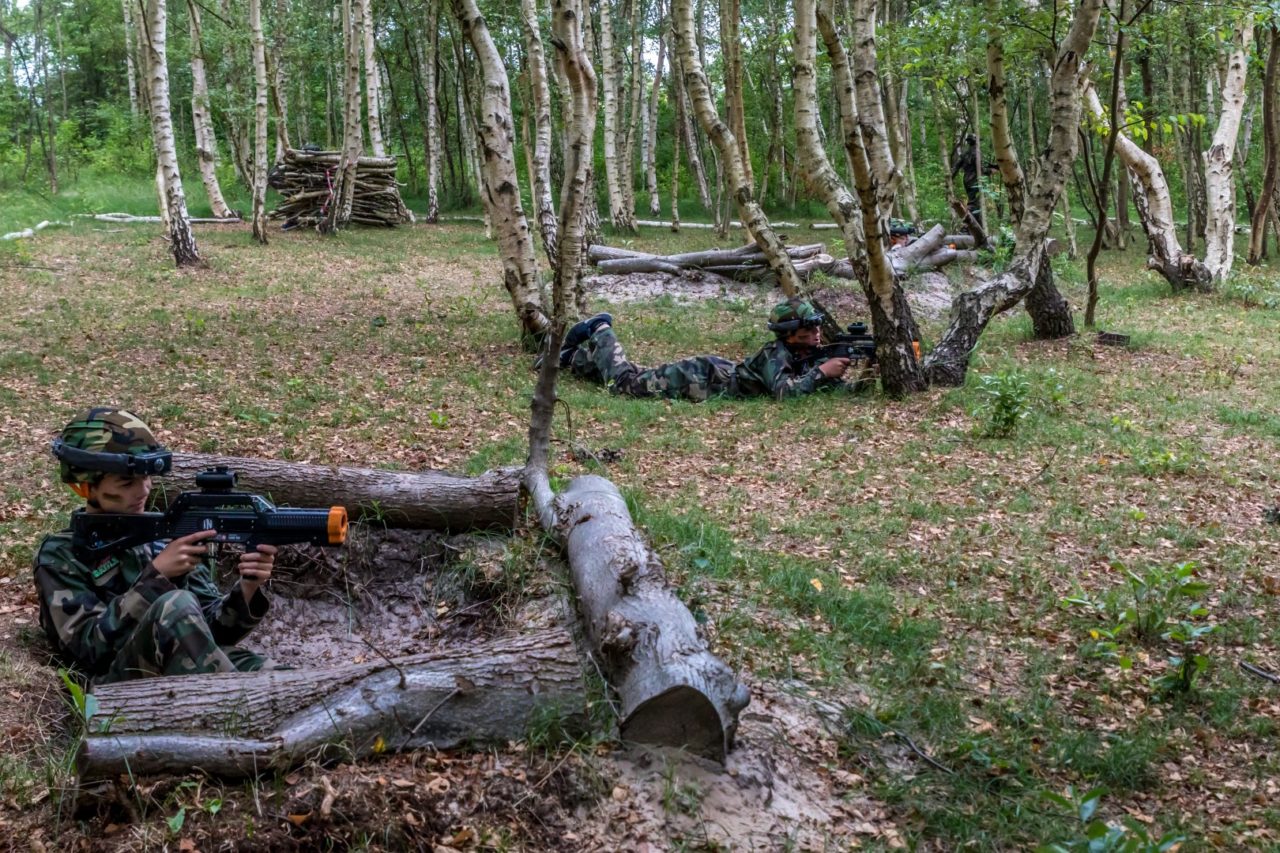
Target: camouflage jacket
(775, 372)
(89, 611)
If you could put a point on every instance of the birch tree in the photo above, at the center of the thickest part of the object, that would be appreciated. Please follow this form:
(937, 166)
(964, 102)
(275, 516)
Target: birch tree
(500, 185)
(181, 241)
(619, 214)
(201, 119)
(1220, 187)
(259, 122)
(864, 227)
(541, 94)
(343, 193)
(749, 211)
(373, 92)
(1001, 136)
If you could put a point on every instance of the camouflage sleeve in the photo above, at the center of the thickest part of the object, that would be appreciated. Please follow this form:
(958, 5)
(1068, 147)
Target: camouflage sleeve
(784, 381)
(230, 617)
(90, 630)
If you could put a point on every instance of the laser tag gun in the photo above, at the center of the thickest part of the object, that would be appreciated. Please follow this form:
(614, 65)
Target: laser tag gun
(854, 344)
(239, 517)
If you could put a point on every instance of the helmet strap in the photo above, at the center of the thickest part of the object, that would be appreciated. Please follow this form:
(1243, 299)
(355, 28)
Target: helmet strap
(81, 489)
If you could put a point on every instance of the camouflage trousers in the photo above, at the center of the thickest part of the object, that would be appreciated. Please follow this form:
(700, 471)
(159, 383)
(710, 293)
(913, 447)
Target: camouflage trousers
(602, 359)
(173, 638)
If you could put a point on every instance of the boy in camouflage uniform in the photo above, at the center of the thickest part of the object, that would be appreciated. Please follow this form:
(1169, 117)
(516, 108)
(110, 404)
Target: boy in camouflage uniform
(145, 610)
(785, 367)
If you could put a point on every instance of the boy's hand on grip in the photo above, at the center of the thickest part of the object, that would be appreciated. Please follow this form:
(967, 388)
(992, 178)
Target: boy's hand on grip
(255, 569)
(183, 554)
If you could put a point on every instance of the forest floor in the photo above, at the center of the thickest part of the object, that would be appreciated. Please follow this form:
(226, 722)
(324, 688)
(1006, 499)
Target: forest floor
(951, 637)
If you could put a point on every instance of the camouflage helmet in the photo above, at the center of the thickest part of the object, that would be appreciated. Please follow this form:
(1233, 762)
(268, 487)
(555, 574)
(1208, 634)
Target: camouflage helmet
(108, 441)
(787, 317)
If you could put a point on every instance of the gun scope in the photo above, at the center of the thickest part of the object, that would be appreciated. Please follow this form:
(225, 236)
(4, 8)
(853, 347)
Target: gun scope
(219, 479)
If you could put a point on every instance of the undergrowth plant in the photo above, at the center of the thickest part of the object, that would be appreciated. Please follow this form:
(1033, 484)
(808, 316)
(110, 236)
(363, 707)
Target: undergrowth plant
(1098, 836)
(1005, 402)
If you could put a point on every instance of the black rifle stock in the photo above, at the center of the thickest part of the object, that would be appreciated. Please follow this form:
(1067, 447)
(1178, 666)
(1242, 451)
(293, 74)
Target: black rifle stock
(239, 517)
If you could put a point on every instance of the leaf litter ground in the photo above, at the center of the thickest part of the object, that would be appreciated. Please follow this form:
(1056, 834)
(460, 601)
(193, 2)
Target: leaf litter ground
(882, 574)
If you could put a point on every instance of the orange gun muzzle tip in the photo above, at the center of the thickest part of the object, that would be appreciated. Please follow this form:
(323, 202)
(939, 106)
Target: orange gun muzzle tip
(337, 525)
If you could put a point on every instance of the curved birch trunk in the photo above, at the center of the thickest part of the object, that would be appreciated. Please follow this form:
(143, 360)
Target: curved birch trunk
(373, 91)
(501, 186)
(1271, 148)
(181, 241)
(1155, 208)
(1220, 187)
(247, 723)
(201, 120)
(343, 195)
(1001, 137)
(948, 363)
(753, 218)
(891, 320)
(259, 122)
(537, 63)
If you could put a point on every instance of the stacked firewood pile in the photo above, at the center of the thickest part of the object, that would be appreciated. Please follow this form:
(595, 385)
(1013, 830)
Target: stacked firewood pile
(308, 180)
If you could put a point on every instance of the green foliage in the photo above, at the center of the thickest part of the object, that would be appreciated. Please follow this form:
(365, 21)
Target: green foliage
(1098, 836)
(1145, 604)
(1005, 402)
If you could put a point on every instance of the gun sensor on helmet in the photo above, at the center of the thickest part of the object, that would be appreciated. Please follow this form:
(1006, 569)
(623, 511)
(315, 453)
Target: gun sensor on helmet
(239, 517)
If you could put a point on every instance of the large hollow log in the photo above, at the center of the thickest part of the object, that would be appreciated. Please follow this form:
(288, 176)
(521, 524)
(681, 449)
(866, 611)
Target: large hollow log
(673, 690)
(243, 724)
(421, 499)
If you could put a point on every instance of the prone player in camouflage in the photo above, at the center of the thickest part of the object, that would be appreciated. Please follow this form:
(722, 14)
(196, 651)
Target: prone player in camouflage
(145, 610)
(785, 367)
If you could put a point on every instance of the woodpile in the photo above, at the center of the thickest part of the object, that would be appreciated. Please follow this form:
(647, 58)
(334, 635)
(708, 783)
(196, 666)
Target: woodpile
(934, 249)
(308, 180)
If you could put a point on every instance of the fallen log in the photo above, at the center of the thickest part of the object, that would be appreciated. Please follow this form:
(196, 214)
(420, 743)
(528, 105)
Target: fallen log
(420, 499)
(244, 724)
(673, 690)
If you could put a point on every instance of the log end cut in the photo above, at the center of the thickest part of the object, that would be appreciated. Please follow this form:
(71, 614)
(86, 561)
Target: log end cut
(681, 717)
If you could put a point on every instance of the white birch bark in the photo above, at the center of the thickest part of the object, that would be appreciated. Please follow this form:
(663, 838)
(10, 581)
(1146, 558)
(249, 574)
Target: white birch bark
(427, 58)
(618, 212)
(341, 198)
(181, 241)
(1001, 137)
(130, 68)
(279, 81)
(649, 152)
(948, 363)
(749, 211)
(1155, 207)
(373, 105)
(202, 120)
(259, 122)
(541, 91)
(1220, 188)
(894, 328)
(870, 109)
(501, 184)
(685, 120)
